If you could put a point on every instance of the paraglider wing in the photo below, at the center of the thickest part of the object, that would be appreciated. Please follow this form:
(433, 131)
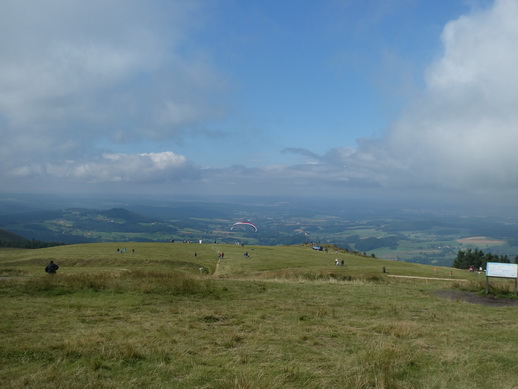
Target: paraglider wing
(244, 223)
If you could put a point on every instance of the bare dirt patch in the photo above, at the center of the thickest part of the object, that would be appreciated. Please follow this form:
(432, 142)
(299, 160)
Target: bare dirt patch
(475, 298)
(429, 278)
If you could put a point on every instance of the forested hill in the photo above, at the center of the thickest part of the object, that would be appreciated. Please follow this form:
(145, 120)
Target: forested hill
(81, 225)
(123, 215)
(10, 239)
(10, 236)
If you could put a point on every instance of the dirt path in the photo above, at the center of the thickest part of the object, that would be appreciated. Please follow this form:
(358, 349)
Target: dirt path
(429, 278)
(469, 297)
(216, 270)
(476, 298)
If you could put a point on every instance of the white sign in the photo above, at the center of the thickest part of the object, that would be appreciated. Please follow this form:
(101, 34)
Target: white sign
(504, 270)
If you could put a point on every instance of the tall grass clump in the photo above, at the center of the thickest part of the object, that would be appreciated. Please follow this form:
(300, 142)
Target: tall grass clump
(11, 272)
(168, 282)
(499, 288)
(384, 365)
(322, 275)
(161, 282)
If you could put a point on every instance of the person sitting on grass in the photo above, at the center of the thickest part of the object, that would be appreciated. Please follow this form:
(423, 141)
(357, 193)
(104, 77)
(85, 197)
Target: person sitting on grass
(51, 268)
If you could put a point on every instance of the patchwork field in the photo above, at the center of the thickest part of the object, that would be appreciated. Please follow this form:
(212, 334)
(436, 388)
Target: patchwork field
(481, 241)
(431, 237)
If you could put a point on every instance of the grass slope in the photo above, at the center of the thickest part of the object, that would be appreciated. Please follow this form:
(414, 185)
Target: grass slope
(286, 317)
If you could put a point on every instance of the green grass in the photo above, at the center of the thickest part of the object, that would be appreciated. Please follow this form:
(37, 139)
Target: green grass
(284, 318)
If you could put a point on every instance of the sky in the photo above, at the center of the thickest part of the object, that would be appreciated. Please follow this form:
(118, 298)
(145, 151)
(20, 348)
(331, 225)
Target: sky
(373, 98)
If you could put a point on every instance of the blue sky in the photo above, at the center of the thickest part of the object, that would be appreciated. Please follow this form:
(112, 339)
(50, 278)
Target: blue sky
(319, 98)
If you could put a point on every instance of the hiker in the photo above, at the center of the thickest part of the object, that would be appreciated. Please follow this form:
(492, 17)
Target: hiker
(343, 262)
(384, 269)
(51, 268)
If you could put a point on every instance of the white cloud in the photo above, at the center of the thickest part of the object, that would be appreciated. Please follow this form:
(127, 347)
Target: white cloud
(139, 168)
(75, 72)
(132, 168)
(463, 130)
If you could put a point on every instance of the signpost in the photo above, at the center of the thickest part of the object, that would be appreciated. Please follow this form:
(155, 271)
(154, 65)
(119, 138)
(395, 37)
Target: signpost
(502, 270)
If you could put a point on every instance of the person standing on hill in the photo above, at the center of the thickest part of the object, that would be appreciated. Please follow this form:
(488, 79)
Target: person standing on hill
(51, 268)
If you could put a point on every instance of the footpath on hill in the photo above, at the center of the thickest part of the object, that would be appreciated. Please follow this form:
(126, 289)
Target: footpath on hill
(476, 298)
(428, 278)
(469, 297)
(216, 270)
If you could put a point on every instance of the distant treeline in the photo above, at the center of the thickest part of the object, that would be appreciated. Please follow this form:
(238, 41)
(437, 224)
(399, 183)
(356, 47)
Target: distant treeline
(369, 244)
(477, 259)
(29, 244)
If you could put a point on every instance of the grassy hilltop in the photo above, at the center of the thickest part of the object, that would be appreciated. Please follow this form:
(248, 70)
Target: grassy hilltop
(139, 315)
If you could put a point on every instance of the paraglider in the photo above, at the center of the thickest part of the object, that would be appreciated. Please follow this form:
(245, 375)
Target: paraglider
(245, 224)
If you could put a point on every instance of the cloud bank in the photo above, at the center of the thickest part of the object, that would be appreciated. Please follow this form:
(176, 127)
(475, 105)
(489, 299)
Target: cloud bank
(461, 132)
(76, 74)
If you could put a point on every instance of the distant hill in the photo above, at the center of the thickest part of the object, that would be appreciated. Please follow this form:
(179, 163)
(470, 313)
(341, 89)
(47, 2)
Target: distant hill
(10, 239)
(7, 236)
(81, 225)
(126, 216)
(414, 235)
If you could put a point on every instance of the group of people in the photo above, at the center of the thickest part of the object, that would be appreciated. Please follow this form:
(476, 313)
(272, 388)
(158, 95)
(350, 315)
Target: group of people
(338, 263)
(122, 251)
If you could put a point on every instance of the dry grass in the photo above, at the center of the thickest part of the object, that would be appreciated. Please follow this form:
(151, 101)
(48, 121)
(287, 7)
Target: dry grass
(158, 326)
